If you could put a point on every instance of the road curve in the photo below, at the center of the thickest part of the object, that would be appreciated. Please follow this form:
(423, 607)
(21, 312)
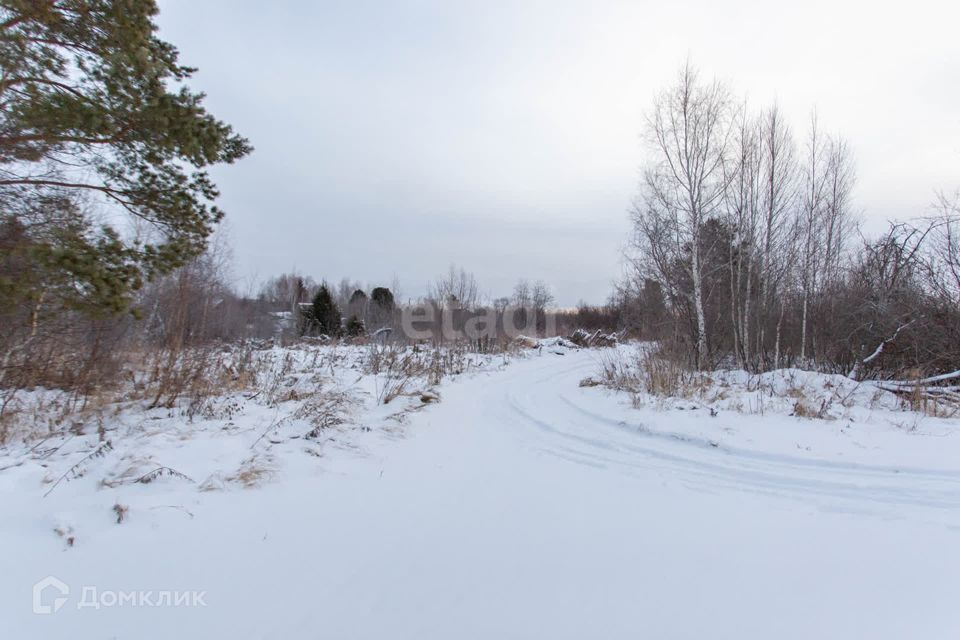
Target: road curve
(542, 403)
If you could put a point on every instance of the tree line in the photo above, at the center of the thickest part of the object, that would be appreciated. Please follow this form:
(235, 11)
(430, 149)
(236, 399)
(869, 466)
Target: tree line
(746, 249)
(347, 309)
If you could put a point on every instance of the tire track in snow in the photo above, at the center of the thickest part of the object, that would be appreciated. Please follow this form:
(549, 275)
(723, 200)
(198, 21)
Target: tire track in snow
(581, 436)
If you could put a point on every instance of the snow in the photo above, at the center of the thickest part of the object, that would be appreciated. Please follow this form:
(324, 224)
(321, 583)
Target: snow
(519, 505)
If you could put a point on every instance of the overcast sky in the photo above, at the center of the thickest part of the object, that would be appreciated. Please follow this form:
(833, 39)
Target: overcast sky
(395, 137)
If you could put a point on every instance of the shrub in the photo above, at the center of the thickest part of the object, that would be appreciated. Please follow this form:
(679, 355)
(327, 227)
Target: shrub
(355, 326)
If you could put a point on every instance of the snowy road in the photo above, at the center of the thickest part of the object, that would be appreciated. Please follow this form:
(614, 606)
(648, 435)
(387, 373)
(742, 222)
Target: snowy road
(522, 506)
(575, 431)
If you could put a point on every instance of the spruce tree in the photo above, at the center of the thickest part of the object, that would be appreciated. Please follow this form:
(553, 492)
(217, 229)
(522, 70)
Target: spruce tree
(325, 314)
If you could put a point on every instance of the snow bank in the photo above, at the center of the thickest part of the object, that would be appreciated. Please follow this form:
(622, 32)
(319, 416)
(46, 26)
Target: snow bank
(822, 416)
(305, 403)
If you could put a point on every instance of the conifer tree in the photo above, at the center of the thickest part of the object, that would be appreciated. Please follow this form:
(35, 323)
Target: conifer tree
(94, 116)
(325, 314)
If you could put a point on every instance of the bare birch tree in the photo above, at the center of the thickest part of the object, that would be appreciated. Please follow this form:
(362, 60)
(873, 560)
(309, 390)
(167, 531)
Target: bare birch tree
(838, 219)
(778, 202)
(457, 289)
(688, 130)
(809, 223)
(744, 186)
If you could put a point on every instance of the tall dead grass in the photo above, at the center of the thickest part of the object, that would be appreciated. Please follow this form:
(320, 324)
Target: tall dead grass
(401, 369)
(652, 373)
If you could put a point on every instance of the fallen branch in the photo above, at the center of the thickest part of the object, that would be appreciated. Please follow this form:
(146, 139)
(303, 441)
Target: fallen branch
(926, 381)
(856, 372)
(941, 395)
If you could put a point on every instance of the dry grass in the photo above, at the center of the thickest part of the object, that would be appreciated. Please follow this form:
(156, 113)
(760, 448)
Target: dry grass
(665, 378)
(324, 411)
(399, 369)
(198, 382)
(654, 374)
(254, 471)
(803, 408)
(198, 374)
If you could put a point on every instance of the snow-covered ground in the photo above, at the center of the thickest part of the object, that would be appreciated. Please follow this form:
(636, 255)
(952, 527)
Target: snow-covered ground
(519, 505)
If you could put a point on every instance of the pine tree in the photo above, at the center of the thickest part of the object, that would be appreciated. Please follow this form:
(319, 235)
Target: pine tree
(95, 113)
